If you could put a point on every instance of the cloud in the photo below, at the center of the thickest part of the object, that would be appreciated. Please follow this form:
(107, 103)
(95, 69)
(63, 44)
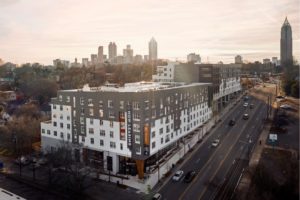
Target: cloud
(8, 2)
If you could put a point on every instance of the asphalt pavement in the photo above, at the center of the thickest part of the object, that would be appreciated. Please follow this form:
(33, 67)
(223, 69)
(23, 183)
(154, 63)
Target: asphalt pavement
(212, 164)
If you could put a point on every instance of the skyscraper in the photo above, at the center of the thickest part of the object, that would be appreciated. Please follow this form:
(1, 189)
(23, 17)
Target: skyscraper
(238, 59)
(286, 42)
(128, 54)
(112, 50)
(100, 54)
(152, 49)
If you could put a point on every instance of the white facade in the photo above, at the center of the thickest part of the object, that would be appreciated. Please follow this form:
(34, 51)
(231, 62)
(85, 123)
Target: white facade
(165, 73)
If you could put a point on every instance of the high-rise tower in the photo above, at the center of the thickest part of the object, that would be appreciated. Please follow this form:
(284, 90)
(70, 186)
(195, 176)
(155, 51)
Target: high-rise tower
(112, 50)
(286, 43)
(152, 49)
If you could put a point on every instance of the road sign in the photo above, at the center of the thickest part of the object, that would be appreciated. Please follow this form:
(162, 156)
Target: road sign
(273, 137)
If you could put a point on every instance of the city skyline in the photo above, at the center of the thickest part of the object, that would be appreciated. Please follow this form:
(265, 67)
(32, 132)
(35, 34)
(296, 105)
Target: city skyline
(33, 33)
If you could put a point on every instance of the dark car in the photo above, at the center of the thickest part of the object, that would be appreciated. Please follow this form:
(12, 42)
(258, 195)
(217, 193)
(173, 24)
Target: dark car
(189, 176)
(251, 106)
(231, 122)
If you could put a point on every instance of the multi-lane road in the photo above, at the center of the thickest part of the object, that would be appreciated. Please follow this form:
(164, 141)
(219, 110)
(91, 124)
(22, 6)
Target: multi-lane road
(219, 168)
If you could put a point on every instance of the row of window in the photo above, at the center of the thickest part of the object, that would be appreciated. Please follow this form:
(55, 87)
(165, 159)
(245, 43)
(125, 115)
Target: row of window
(112, 145)
(56, 134)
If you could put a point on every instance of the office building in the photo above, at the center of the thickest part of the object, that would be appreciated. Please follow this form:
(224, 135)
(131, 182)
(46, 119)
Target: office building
(193, 58)
(100, 55)
(286, 43)
(152, 49)
(238, 59)
(85, 62)
(94, 59)
(165, 73)
(112, 51)
(128, 55)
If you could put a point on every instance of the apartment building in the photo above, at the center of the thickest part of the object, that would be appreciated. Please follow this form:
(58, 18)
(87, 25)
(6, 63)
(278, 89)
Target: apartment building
(123, 129)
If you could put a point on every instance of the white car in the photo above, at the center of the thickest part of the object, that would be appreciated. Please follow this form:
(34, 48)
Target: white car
(245, 105)
(215, 143)
(178, 175)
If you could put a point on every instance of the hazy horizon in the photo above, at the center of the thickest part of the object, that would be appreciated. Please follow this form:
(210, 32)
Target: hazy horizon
(40, 31)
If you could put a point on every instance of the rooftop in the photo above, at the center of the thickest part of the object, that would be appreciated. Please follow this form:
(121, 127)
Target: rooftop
(136, 87)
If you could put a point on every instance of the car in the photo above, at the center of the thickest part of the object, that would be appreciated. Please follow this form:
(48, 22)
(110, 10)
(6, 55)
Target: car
(245, 105)
(251, 106)
(189, 176)
(245, 116)
(231, 122)
(22, 160)
(215, 143)
(42, 161)
(246, 98)
(178, 175)
(157, 196)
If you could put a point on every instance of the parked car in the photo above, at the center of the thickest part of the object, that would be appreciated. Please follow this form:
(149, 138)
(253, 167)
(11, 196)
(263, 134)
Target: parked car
(246, 105)
(251, 106)
(178, 175)
(189, 176)
(215, 143)
(157, 196)
(246, 116)
(231, 122)
(22, 160)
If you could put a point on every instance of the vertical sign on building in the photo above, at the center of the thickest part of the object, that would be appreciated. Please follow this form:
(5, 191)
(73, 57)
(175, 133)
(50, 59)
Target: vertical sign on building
(146, 139)
(122, 125)
(129, 126)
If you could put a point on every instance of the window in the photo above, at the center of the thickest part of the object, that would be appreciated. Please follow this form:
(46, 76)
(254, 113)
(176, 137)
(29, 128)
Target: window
(91, 121)
(136, 127)
(101, 143)
(111, 114)
(82, 129)
(61, 134)
(54, 116)
(153, 134)
(43, 130)
(68, 126)
(74, 113)
(55, 133)
(167, 138)
(81, 120)
(48, 132)
(82, 111)
(101, 122)
(90, 102)
(54, 123)
(121, 104)
(137, 139)
(68, 118)
(101, 112)
(83, 139)
(111, 124)
(54, 106)
(61, 125)
(153, 145)
(111, 134)
(102, 132)
(161, 131)
(68, 136)
(110, 104)
(68, 99)
(100, 103)
(121, 146)
(91, 111)
(81, 101)
(60, 97)
(61, 107)
(91, 131)
(136, 105)
(136, 116)
(92, 140)
(161, 140)
(112, 145)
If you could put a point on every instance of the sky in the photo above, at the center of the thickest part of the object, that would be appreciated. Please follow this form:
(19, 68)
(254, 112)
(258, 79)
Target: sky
(43, 30)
